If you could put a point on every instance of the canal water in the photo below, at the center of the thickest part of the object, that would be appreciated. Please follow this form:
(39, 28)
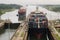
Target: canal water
(7, 34)
(14, 18)
(8, 31)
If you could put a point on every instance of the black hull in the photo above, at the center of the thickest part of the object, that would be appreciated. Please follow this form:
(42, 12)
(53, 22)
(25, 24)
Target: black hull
(43, 32)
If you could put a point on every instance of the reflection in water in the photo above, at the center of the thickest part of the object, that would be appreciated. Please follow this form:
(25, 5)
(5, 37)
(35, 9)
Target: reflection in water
(7, 34)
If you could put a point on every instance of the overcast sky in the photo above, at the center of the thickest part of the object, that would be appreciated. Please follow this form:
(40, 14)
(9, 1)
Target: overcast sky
(24, 2)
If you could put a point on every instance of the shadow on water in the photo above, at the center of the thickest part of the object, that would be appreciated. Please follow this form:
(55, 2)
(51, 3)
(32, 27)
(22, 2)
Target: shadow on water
(2, 31)
(11, 26)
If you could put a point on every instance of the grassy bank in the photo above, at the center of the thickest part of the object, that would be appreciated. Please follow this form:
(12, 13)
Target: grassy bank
(56, 37)
(2, 11)
(8, 7)
(54, 22)
(55, 8)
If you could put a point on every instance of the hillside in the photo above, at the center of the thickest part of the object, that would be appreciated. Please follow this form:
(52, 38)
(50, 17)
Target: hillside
(9, 6)
(55, 8)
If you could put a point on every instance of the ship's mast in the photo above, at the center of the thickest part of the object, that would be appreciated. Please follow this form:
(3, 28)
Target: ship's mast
(37, 8)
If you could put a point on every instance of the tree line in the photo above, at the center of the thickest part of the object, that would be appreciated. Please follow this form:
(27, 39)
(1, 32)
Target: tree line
(9, 6)
(55, 8)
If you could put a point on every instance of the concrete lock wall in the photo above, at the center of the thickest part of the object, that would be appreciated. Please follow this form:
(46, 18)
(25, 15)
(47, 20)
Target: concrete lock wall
(11, 25)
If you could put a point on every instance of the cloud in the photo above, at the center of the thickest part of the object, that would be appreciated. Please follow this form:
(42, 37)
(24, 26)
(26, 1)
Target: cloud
(24, 2)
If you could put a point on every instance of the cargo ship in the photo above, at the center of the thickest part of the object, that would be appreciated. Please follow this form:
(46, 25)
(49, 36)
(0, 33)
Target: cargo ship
(22, 14)
(38, 26)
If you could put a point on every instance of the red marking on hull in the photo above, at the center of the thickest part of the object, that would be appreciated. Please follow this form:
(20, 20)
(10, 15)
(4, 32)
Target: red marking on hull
(39, 36)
